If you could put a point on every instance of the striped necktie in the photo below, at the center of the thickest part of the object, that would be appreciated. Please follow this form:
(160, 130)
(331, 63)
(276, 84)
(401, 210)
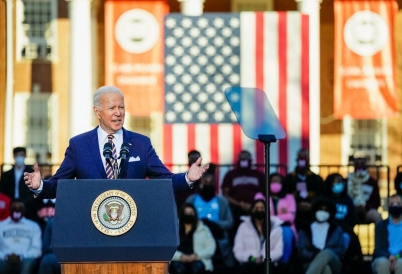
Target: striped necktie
(110, 165)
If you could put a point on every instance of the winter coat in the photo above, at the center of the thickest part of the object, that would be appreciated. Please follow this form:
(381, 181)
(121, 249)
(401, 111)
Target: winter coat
(247, 241)
(204, 246)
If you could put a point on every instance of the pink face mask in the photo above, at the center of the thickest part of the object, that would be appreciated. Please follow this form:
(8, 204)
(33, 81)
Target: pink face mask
(275, 187)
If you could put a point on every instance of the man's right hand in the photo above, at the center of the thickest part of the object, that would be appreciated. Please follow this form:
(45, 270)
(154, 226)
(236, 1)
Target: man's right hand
(33, 179)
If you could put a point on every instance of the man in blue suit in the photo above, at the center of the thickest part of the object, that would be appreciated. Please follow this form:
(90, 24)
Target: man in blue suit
(84, 156)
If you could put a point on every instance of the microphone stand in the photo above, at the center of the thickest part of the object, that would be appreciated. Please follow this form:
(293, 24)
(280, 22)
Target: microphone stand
(115, 169)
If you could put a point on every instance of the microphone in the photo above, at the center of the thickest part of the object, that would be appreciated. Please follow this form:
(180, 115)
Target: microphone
(124, 150)
(107, 151)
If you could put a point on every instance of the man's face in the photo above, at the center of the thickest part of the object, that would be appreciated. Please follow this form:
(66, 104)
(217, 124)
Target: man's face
(111, 112)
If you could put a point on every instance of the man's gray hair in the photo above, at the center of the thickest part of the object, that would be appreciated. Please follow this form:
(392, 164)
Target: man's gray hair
(102, 90)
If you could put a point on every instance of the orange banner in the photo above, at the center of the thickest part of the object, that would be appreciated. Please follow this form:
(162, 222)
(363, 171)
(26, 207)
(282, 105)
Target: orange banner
(365, 83)
(134, 53)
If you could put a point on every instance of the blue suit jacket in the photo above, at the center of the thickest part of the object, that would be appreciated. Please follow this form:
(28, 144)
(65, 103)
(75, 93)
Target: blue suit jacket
(83, 161)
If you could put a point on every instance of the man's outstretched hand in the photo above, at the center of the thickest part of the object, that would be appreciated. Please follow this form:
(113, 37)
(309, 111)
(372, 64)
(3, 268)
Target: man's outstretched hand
(196, 170)
(33, 179)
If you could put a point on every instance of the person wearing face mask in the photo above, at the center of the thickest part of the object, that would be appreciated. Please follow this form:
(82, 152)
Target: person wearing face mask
(334, 189)
(249, 243)
(387, 256)
(215, 212)
(365, 193)
(12, 181)
(197, 245)
(321, 245)
(20, 241)
(240, 186)
(283, 205)
(304, 185)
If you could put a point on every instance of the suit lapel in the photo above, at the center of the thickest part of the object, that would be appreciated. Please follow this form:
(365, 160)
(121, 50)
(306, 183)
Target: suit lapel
(93, 144)
(123, 168)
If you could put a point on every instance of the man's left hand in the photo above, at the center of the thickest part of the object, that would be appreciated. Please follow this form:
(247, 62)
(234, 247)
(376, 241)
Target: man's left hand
(196, 171)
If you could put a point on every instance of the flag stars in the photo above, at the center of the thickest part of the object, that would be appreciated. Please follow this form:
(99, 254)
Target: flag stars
(186, 79)
(210, 32)
(226, 51)
(202, 41)
(218, 41)
(186, 23)
(170, 60)
(186, 97)
(170, 79)
(210, 107)
(194, 88)
(210, 88)
(234, 97)
(202, 60)
(178, 107)
(234, 41)
(186, 41)
(226, 32)
(178, 88)
(218, 60)
(170, 116)
(178, 32)
(202, 97)
(226, 107)
(186, 116)
(210, 69)
(194, 107)
(234, 79)
(219, 22)
(178, 51)
(234, 60)
(170, 97)
(194, 51)
(210, 51)
(178, 69)
(202, 23)
(170, 23)
(234, 22)
(219, 116)
(203, 79)
(170, 41)
(186, 60)
(226, 69)
(194, 69)
(202, 116)
(218, 97)
(194, 32)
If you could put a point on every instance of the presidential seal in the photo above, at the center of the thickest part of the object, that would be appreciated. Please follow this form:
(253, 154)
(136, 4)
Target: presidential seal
(114, 212)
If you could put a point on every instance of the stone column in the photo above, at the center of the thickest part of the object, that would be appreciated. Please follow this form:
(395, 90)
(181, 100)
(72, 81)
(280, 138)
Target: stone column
(81, 88)
(312, 8)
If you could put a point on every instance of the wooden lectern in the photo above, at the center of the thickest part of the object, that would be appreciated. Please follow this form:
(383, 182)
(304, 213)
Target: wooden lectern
(147, 247)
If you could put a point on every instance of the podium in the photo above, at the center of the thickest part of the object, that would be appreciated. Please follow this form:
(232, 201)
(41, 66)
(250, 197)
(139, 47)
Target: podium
(115, 226)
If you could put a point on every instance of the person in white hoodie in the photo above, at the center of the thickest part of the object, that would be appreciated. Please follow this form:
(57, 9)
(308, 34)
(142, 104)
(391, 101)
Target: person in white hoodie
(20, 241)
(197, 245)
(249, 243)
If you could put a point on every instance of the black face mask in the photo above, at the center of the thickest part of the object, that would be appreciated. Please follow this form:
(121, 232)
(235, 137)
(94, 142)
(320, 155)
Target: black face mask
(259, 215)
(207, 192)
(188, 219)
(395, 211)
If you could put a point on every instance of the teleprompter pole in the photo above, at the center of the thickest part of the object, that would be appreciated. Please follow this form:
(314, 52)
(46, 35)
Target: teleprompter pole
(267, 139)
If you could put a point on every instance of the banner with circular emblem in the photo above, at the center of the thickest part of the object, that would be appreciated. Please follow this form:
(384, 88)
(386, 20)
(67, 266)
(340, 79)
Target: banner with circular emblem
(114, 212)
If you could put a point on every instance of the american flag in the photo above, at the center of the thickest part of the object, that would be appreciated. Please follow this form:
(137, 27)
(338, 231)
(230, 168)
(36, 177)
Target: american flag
(206, 54)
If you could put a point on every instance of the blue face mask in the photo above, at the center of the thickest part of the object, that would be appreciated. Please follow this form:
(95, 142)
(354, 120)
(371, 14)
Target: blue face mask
(338, 188)
(19, 160)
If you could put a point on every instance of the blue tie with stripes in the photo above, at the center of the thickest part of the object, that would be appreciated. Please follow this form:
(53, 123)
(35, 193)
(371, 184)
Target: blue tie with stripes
(110, 165)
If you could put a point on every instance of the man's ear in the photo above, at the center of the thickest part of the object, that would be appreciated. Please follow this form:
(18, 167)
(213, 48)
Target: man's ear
(96, 112)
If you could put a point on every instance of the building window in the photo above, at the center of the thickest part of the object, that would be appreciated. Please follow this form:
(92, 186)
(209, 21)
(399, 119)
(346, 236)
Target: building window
(36, 28)
(366, 138)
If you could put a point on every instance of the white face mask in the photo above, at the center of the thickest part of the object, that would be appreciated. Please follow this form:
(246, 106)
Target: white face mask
(322, 216)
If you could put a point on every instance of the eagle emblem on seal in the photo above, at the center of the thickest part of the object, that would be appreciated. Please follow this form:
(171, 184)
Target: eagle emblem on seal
(113, 213)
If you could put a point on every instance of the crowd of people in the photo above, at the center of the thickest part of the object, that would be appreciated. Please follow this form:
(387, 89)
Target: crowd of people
(311, 222)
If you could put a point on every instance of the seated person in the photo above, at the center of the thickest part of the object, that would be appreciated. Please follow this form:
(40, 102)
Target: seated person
(249, 243)
(398, 183)
(20, 241)
(283, 205)
(388, 254)
(48, 263)
(364, 191)
(215, 212)
(197, 245)
(321, 244)
(334, 189)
